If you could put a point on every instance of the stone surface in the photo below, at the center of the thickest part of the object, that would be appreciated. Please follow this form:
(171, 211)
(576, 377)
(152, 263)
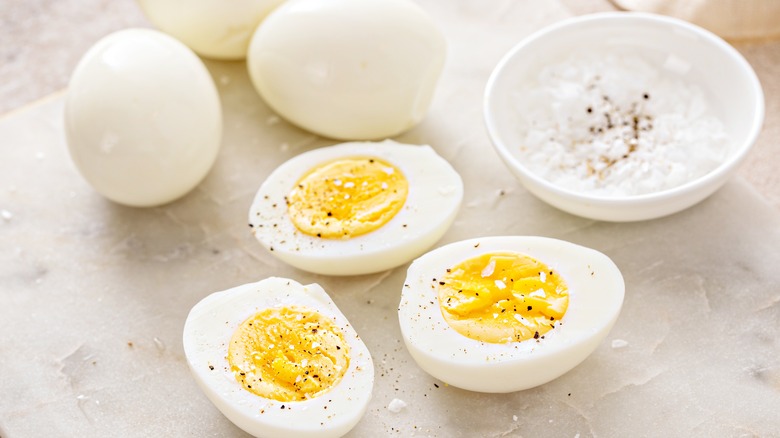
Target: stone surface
(93, 295)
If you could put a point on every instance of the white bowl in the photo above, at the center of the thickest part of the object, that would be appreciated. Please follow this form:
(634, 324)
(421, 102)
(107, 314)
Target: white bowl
(725, 77)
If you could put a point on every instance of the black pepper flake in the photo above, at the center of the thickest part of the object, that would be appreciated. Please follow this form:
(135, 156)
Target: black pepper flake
(552, 318)
(211, 367)
(646, 96)
(536, 335)
(590, 110)
(330, 214)
(251, 226)
(338, 347)
(282, 406)
(441, 283)
(435, 385)
(530, 307)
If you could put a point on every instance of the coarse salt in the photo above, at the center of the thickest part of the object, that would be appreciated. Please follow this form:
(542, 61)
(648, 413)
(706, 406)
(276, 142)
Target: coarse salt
(396, 405)
(619, 343)
(614, 125)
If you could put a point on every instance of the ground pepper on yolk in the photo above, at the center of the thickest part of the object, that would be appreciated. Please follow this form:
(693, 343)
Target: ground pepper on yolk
(502, 297)
(288, 354)
(347, 198)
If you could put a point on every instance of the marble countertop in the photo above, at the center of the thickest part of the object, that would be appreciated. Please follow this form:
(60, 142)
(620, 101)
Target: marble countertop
(93, 295)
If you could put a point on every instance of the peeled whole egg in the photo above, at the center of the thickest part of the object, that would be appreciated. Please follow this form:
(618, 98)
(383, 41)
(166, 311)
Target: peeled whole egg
(142, 118)
(212, 28)
(348, 69)
(279, 359)
(356, 208)
(503, 314)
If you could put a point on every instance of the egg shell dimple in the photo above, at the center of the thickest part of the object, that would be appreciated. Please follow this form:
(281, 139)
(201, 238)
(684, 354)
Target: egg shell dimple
(207, 333)
(435, 195)
(348, 69)
(596, 291)
(143, 119)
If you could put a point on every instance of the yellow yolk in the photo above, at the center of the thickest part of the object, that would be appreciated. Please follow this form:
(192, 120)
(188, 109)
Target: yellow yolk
(288, 353)
(347, 198)
(502, 297)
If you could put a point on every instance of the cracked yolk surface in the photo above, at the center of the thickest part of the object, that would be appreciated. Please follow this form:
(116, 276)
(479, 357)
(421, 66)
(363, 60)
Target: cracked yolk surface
(288, 353)
(347, 198)
(502, 297)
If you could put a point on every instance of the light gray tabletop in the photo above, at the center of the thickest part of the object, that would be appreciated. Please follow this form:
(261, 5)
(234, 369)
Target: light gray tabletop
(93, 295)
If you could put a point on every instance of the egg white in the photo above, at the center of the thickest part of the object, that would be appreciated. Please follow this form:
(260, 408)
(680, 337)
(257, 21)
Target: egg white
(435, 195)
(143, 120)
(348, 69)
(210, 27)
(207, 333)
(596, 291)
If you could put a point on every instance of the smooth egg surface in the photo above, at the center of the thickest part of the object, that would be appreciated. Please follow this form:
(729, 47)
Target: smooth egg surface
(348, 69)
(507, 313)
(279, 359)
(212, 28)
(143, 119)
(356, 208)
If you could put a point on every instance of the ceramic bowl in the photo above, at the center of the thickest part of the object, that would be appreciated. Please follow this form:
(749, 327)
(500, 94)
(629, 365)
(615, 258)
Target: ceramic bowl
(726, 79)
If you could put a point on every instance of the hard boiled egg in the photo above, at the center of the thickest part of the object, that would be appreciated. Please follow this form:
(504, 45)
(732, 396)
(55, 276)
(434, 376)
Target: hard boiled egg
(502, 314)
(356, 208)
(279, 359)
(348, 69)
(142, 118)
(214, 29)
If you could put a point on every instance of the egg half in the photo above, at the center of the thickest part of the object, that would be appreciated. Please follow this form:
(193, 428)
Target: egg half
(503, 314)
(348, 69)
(279, 359)
(356, 208)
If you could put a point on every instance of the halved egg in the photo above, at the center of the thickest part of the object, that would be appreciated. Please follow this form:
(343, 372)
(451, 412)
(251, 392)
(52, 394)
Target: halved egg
(356, 208)
(503, 314)
(279, 359)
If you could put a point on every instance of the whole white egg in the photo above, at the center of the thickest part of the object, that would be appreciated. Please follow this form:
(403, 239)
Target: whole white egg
(348, 69)
(209, 335)
(452, 324)
(360, 226)
(142, 118)
(212, 28)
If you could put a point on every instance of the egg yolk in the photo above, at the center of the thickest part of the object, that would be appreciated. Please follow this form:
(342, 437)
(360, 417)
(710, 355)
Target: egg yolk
(347, 198)
(502, 297)
(288, 354)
